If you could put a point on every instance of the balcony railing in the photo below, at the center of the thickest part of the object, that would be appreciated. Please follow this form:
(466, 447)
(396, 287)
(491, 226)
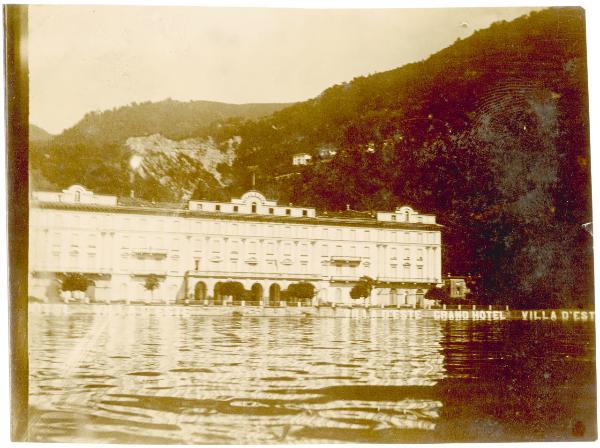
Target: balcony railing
(256, 275)
(345, 259)
(149, 252)
(143, 272)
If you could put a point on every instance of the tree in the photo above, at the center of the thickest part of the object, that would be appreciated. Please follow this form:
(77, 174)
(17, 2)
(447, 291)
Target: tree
(233, 289)
(362, 289)
(75, 282)
(438, 294)
(302, 290)
(152, 282)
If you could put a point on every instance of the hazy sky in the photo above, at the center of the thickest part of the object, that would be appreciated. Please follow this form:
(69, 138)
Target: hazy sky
(84, 58)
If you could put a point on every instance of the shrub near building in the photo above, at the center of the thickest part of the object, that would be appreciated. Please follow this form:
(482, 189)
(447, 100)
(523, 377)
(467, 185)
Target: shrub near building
(75, 283)
(302, 291)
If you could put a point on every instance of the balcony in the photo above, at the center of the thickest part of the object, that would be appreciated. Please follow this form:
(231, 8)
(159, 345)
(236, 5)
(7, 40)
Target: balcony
(143, 272)
(343, 278)
(345, 260)
(149, 253)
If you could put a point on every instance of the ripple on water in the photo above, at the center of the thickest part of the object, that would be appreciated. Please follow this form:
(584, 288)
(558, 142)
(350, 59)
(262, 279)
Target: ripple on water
(146, 373)
(196, 380)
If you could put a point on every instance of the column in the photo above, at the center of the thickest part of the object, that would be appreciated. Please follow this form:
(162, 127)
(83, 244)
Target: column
(113, 256)
(427, 264)
(432, 254)
(206, 255)
(386, 262)
(102, 252)
(226, 251)
(260, 256)
(188, 261)
(47, 256)
(278, 256)
(296, 268)
(314, 259)
(436, 264)
(243, 254)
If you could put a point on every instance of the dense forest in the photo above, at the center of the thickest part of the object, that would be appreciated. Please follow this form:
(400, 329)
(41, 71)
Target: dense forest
(490, 134)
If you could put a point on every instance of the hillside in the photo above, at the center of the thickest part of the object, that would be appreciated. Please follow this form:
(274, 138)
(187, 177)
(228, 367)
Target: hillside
(490, 134)
(96, 152)
(37, 134)
(173, 119)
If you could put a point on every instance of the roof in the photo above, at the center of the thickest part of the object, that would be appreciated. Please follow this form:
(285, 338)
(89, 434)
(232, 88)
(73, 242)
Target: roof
(140, 206)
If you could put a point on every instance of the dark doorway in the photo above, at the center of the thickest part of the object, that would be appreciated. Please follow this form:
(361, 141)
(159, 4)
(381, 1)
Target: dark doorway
(217, 296)
(257, 293)
(274, 294)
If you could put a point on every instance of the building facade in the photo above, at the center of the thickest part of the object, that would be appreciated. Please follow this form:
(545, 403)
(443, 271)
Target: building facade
(301, 159)
(193, 249)
(457, 286)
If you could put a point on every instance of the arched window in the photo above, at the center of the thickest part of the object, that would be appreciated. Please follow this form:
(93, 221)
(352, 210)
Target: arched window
(77, 196)
(407, 214)
(254, 207)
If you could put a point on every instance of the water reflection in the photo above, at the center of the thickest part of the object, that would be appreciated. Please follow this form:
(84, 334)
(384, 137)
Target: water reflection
(245, 380)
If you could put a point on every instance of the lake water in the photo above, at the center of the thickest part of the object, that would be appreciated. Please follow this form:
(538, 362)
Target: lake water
(255, 380)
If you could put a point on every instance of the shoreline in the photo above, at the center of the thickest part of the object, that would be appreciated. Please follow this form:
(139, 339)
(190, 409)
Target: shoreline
(358, 312)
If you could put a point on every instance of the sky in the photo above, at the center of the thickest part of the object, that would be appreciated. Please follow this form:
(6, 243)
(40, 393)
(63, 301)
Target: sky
(92, 58)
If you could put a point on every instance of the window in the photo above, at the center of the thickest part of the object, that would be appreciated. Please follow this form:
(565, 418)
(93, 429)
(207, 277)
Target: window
(77, 196)
(253, 208)
(393, 217)
(288, 212)
(287, 249)
(196, 264)
(217, 208)
(304, 212)
(407, 215)
(270, 248)
(198, 206)
(270, 210)
(235, 208)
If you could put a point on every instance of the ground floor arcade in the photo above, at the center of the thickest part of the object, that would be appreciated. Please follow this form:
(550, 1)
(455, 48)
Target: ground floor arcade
(196, 288)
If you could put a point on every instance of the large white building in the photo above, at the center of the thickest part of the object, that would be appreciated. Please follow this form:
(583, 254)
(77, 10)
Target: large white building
(194, 247)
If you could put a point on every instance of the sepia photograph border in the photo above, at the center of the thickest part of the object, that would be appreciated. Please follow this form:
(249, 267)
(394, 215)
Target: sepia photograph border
(15, 237)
